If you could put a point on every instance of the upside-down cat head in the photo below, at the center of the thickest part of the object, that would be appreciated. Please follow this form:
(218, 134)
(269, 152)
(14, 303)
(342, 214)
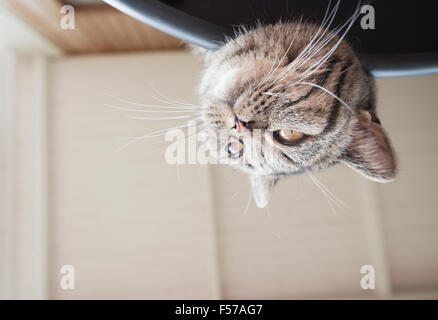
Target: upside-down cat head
(310, 99)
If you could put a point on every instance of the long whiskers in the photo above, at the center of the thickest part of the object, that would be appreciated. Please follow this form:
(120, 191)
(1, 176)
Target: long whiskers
(185, 138)
(304, 53)
(170, 100)
(151, 111)
(329, 92)
(153, 134)
(349, 23)
(174, 107)
(249, 201)
(175, 111)
(331, 198)
(273, 70)
(319, 42)
(159, 118)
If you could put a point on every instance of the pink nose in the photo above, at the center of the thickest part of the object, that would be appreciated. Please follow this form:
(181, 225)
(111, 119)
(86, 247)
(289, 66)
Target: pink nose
(240, 125)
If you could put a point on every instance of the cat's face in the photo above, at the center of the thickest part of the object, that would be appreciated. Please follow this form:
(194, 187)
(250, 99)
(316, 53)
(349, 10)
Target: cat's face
(275, 108)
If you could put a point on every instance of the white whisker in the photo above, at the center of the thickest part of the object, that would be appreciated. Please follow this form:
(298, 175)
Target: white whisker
(148, 111)
(287, 51)
(236, 192)
(327, 91)
(169, 100)
(329, 200)
(269, 213)
(309, 46)
(249, 201)
(158, 118)
(193, 107)
(319, 43)
(151, 135)
(321, 61)
(324, 189)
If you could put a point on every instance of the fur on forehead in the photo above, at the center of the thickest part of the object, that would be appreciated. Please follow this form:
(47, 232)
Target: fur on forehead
(224, 80)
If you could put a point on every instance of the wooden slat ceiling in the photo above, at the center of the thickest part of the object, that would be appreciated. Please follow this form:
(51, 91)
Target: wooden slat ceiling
(99, 28)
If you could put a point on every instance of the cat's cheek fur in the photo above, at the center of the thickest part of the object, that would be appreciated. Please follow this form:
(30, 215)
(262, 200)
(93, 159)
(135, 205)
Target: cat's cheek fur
(371, 154)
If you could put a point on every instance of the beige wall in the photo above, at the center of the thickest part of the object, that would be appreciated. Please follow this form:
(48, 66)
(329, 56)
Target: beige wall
(136, 227)
(130, 227)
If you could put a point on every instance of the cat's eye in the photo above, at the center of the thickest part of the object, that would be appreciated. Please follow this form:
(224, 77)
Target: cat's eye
(288, 137)
(235, 149)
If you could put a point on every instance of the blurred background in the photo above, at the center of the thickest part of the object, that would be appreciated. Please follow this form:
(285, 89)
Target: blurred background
(135, 227)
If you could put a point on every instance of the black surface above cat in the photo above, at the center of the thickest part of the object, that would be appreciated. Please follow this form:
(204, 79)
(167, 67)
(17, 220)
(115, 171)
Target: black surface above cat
(402, 43)
(402, 26)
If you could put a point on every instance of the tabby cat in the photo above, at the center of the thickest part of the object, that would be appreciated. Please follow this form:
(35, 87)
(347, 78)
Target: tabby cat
(304, 89)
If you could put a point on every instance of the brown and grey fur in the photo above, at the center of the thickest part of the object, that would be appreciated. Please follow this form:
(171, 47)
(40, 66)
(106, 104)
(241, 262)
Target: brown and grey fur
(241, 80)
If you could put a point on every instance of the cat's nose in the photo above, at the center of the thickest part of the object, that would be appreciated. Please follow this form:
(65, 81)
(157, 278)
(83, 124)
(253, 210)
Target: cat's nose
(240, 125)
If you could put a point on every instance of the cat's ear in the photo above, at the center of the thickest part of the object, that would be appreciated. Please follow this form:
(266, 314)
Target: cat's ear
(262, 189)
(370, 152)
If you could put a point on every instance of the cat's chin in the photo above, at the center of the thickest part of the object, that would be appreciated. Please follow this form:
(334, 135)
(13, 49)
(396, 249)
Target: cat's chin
(261, 203)
(262, 186)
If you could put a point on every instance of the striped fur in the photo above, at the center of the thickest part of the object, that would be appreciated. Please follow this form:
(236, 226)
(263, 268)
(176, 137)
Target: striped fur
(271, 79)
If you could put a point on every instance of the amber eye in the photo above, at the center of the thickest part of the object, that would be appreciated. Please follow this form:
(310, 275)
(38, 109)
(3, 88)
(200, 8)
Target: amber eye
(288, 137)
